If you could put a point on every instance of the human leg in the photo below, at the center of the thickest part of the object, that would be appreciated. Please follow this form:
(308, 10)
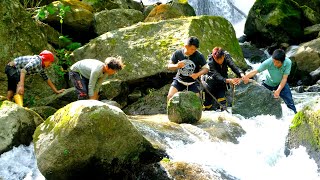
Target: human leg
(220, 95)
(10, 95)
(81, 85)
(13, 79)
(286, 95)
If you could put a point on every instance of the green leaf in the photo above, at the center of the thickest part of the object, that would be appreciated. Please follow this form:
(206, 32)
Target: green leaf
(51, 9)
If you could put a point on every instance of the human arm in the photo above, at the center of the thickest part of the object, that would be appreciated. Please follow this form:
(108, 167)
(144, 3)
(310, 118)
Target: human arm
(249, 75)
(53, 87)
(283, 82)
(20, 88)
(204, 70)
(174, 66)
(95, 81)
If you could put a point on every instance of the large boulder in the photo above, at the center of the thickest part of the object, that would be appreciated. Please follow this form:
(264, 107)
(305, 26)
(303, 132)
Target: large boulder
(274, 21)
(169, 11)
(304, 130)
(76, 21)
(17, 125)
(184, 107)
(100, 5)
(109, 20)
(146, 47)
(253, 99)
(307, 57)
(19, 35)
(89, 139)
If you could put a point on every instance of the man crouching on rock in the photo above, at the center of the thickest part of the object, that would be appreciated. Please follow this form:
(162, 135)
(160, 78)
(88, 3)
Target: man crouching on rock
(87, 75)
(17, 69)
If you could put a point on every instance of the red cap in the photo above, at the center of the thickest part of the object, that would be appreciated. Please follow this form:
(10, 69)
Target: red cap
(46, 56)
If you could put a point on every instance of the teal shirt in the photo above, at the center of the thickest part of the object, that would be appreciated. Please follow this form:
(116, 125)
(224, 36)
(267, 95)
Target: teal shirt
(275, 74)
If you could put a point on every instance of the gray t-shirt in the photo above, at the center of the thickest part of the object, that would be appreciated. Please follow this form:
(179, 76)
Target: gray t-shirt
(92, 70)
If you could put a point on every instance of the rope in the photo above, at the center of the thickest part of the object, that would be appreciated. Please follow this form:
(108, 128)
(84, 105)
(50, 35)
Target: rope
(211, 94)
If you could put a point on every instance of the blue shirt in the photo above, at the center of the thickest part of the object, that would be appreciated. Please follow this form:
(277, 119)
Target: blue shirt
(275, 75)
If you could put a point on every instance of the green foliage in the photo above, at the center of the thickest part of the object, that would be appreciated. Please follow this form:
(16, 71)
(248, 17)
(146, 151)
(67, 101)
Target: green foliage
(44, 11)
(64, 55)
(62, 12)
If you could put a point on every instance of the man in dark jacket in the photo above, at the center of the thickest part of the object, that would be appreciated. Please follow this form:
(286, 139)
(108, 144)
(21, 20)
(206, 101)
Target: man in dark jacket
(217, 77)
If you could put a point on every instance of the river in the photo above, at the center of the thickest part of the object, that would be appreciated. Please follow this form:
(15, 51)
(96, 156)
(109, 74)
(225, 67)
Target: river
(258, 156)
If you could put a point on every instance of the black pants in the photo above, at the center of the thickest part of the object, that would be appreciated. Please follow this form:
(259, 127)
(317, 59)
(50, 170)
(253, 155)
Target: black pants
(13, 76)
(80, 83)
(219, 93)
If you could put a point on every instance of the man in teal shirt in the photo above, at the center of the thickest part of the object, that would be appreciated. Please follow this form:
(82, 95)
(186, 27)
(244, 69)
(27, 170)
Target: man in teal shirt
(279, 68)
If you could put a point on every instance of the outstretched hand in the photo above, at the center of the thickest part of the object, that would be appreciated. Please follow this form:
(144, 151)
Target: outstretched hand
(245, 79)
(60, 91)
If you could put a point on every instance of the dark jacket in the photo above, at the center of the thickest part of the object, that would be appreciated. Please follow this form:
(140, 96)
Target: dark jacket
(218, 74)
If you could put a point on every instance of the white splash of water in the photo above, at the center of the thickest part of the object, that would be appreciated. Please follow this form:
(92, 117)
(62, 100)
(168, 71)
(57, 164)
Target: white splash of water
(19, 163)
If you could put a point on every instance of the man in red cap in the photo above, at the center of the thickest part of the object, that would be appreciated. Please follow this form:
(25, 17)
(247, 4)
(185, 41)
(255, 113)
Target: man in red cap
(217, 79)
(17, 69)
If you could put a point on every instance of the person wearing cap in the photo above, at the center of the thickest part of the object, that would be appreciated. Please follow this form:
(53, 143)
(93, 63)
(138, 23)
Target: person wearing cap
(190, 64)
(279, 68)
(216, 81)
(87, 75)
(17, 69)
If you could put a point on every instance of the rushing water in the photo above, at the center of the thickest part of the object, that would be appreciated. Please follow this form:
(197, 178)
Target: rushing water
(258, 156)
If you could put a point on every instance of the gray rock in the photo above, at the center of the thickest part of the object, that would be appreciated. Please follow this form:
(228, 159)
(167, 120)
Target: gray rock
(17, 125)
(253, 99)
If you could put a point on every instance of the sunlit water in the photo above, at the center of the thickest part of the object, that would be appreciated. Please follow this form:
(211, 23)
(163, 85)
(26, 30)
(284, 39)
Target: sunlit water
(258, 156)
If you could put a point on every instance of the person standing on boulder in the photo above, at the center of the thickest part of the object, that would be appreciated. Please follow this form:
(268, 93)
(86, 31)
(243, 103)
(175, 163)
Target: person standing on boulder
(216, 80)
(17, 69)
(190, 64)
(87, 75)
(279, 68)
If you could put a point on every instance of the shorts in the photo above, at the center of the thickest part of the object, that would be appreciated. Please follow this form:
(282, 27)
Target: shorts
(180, 87)
(13, 76)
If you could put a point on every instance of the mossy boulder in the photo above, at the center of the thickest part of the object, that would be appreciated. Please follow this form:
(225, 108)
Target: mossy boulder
(109, 20)
(100, 5)
(169, 11)
(76, 21)
(146, 47)
(313, 4)
(253, 99)
(184, 107)
(17, 125)
(89, 139)
(274, 21)
(304, 130)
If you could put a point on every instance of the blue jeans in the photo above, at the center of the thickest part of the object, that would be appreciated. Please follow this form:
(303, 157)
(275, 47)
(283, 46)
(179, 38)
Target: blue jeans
(285, 94)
